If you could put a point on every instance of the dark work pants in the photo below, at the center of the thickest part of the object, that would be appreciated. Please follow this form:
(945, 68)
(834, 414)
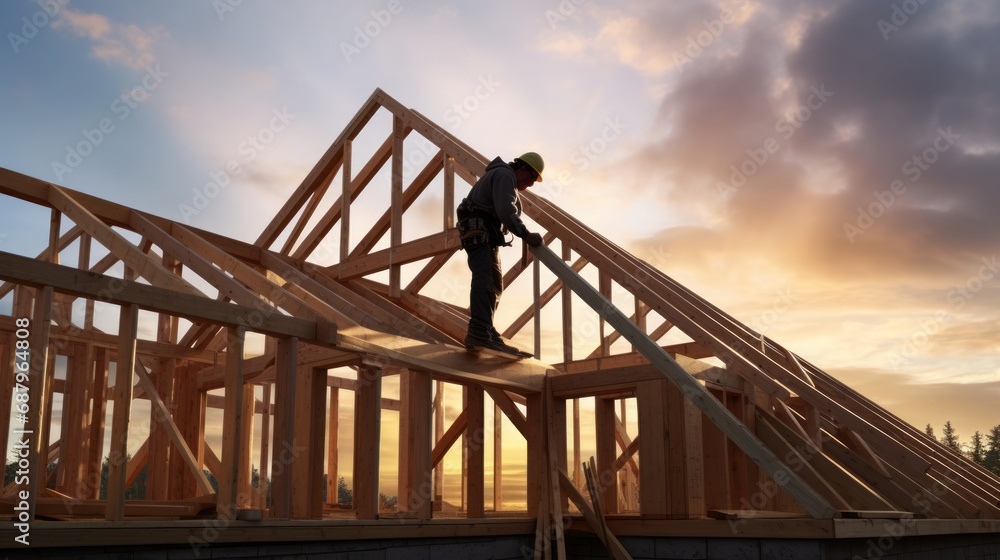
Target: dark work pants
(487, 285)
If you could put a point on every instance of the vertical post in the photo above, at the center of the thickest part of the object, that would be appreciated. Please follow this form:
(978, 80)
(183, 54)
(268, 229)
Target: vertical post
(687, 474)
(367, 434)
(333, 447)
(604, 279)
(449, 192)
(76, 410)
(128, 326)
(497, 458)
(567, 316)
(415, 473)
(244, 492)
(265, 446)
(36, 428)
(577, 460)
(187, 416)
(557, 444)
(438, 432)
(307, 456)
(716, 462)
(95, 451)
(286, 358)
(54, 227)
(537, 466)
(232, 426)
(536, 297)
(475, 451)
(396, 201)
(7, 381)
(604, 412)
(654, 471)
(345, 202)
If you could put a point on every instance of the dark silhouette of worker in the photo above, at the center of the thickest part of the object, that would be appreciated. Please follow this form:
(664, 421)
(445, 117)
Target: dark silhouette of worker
(492, 209)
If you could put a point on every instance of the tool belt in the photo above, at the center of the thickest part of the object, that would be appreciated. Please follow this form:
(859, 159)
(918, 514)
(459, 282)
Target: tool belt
(478, 227)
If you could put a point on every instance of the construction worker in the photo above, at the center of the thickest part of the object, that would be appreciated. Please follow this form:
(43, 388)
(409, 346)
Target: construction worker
(492, 209)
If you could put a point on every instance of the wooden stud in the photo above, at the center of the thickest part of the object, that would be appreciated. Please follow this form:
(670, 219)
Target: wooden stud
(734, 429)
(233, 450)
(367, 432)
(396, 204)
(475, 445)
(128, 325)
(332, 447)
(416, 478)
(449, 191)
(345, 202)
(306, 461)
(265, 447)
(497, 458)
(687, 472)
(654, 476)
(604, 426)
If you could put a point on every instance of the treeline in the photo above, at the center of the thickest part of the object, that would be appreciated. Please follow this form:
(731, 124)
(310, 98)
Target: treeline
(983, 450)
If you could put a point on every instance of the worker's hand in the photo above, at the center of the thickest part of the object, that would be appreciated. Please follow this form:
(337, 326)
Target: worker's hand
(533, 239)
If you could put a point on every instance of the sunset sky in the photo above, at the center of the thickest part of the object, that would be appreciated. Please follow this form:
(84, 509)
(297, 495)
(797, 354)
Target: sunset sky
(825, 172)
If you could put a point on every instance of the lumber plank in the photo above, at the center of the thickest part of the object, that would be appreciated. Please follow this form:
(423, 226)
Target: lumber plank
(122, 292)
(475, 449)
(163, 417)
(403, 253)
(232, 420)
(815, 504)
(128, 325)
(367, 433)
(39, 356)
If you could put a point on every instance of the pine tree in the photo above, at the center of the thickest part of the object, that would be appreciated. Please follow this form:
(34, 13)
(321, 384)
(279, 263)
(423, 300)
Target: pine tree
(930, 432)
(950, 439)
(977, 452)
(991, 459)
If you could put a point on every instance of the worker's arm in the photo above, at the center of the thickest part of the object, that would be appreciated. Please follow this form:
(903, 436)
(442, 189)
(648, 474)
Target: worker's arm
(505, 203)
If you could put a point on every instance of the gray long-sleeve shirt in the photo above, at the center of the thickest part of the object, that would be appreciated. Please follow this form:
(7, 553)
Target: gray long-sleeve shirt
(496, 191)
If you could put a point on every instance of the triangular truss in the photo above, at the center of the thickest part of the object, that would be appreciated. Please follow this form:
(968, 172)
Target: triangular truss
(730, 423)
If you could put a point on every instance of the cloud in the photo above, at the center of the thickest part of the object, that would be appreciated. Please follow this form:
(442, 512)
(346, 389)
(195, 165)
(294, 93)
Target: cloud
(127, 44)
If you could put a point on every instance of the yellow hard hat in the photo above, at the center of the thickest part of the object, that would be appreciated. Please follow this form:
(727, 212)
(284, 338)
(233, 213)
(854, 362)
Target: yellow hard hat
(535, 161)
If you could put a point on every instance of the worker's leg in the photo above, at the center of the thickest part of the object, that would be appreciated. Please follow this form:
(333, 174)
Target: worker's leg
(484, 261)
(497, 289)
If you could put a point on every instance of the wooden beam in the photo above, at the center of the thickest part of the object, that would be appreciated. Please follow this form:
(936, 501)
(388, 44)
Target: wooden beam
(122, 292)
(475, 447)
(307, 461)
(404, 253)
(815, 504)
(161, 414)
(385, 222)
(144, 265)
(332, 448)
(514, 414)
(286, 358)
(128, 326)
(37, 359)
(416, 474)
(232, 426)
(447, 440)
(367, 435)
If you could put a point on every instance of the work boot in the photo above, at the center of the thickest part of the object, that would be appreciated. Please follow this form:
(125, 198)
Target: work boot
(476, 343)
